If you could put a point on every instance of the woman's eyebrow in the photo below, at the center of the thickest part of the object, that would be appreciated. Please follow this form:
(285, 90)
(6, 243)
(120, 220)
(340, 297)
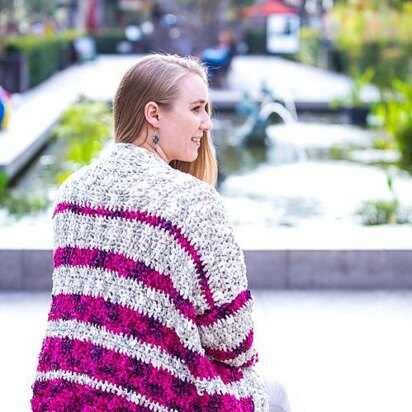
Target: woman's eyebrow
(201, 101)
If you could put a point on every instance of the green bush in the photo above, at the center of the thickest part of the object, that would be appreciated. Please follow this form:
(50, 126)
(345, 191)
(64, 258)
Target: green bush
(379, 212)
(84, 128)
(380, 38)
(384, 211)
(310, 47)
(396, 114)
(45, 54)
(107, 40)
(390, 60)
(255, 40)
(17, 202)
(404, 139)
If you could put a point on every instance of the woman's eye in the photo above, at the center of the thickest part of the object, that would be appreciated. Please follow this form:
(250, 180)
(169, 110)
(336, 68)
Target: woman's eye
(196, 109)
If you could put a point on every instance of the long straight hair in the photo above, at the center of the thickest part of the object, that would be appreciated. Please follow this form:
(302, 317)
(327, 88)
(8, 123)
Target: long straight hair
(156, 78)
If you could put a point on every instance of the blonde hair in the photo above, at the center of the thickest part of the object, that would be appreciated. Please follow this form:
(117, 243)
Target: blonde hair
(155, 78)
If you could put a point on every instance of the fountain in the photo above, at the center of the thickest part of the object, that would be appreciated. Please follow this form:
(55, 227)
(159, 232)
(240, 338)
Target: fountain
(253, 132)
(275, 124)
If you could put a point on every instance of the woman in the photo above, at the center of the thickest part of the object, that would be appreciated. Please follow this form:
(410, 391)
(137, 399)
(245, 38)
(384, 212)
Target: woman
(150, 306)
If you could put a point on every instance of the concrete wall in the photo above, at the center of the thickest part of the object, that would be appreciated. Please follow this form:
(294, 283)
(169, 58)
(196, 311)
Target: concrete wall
(25, 269)
(340, 269)
(277, 269)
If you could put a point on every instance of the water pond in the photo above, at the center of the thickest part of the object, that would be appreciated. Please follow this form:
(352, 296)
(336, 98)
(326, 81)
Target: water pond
(312, 173)
(317, 171)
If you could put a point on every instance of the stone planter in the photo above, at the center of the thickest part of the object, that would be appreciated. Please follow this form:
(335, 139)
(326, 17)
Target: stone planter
(357, 115)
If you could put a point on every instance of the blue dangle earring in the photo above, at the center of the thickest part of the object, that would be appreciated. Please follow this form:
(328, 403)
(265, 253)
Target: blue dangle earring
(155, 141)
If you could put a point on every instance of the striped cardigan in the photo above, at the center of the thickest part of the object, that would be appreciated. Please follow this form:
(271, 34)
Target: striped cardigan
(150, 309)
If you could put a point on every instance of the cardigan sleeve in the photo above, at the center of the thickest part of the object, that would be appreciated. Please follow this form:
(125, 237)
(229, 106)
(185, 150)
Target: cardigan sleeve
(225, 325)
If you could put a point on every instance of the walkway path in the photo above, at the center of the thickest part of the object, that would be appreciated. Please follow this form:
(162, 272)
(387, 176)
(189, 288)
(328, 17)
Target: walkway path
(334, 351)
(308, 86)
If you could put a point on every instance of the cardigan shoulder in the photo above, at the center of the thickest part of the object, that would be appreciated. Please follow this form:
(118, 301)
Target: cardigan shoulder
(128, 177)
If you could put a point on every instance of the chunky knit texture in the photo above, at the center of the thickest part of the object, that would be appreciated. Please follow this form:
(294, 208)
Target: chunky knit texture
(150, 308)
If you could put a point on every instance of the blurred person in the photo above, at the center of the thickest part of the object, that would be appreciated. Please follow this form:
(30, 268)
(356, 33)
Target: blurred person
(150, 307)
(219, 57)
(5, 108)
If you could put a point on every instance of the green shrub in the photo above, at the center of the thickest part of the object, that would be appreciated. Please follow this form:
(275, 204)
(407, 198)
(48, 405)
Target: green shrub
(22, 203)
(396, 114)
(255, 40)
(85, 127)
(354, 96)
(4, 180)
(383, 143)
(379, 212)
(384, 211)
(45, 54)
(376, 37)
(310, 47)
(390, 59)
(18, 202)
(107, 40)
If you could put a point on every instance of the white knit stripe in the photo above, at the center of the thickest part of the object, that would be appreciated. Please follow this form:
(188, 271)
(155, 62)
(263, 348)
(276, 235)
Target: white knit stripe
(80, 280)
(227, 274)
(242, 358)
(135, 240)
(221, 255)
(251, 385)
(245, 386)
(228, 333)
(129, 346)
(103, 386)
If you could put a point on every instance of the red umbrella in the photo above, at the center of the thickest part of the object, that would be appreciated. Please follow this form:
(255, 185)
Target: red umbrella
(267, 8)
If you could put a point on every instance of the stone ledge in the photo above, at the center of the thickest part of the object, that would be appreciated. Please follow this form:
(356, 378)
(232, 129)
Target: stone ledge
(30, 269)
(330, 269)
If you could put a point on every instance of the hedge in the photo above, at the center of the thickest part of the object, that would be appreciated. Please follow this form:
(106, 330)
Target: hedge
(107, 40)
(45, 55)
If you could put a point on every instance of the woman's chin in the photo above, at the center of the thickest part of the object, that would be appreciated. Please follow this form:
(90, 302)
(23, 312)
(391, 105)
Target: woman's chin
(195, 156)
(189, 158)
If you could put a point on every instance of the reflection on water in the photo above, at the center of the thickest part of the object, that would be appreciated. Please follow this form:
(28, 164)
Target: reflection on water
(237, 160)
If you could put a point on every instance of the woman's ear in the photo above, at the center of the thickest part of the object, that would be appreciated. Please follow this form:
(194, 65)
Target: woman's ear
(151, 112)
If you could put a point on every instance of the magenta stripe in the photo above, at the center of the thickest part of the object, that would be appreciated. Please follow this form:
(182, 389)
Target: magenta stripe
(158, 385)
(126, 268)
(225, 310)
(223, 355)
(152, 220)
(59, 395)
(121, 320)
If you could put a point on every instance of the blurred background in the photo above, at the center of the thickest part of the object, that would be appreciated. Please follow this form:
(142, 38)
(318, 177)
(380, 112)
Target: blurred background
(313, 133)
(313, 95)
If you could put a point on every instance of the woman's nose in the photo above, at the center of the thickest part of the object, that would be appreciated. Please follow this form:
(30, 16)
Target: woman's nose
(207, 123)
